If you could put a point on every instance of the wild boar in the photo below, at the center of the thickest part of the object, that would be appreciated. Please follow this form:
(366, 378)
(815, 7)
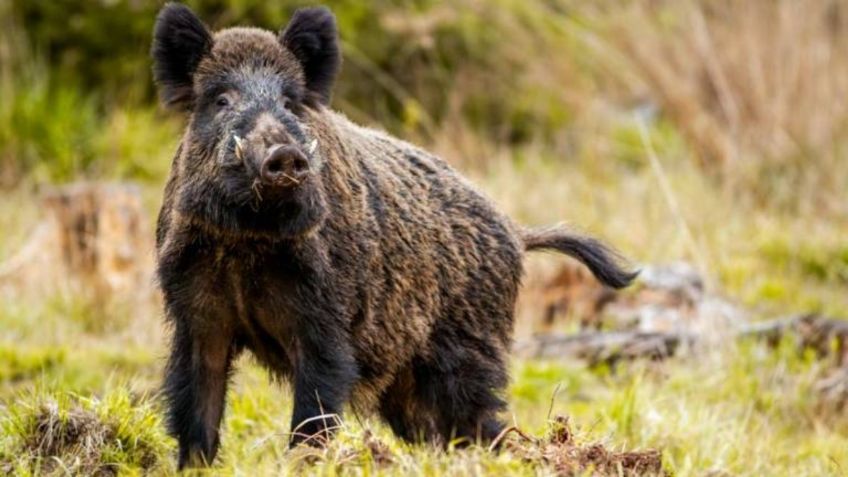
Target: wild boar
(355, 265)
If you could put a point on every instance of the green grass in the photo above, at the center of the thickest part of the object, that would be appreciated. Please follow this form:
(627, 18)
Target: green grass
(748, 413)
(745, 409)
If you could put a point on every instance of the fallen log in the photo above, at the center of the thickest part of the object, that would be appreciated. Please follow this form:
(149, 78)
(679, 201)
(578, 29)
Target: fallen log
(827, 336)
(604, 347)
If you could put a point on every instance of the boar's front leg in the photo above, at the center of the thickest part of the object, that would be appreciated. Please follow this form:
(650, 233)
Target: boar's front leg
(324, 373)
(195, 387)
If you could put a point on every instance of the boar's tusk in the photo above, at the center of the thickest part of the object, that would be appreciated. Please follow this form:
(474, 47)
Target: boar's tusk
(313, 145)
(239, 148)
(257, 190)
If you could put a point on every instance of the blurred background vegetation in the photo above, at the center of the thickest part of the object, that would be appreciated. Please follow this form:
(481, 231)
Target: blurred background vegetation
(738, 105)
(749, 91)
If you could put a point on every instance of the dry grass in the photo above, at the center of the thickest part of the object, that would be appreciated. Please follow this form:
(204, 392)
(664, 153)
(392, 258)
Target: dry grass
(752, 86)
(748, 91)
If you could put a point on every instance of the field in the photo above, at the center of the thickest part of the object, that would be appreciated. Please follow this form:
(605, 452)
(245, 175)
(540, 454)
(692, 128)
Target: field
(707, 132)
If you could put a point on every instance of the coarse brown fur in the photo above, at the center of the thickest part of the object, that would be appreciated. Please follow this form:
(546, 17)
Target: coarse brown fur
(383, 279)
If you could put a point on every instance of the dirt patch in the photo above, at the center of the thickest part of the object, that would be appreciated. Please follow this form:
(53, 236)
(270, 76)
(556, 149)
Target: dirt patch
(369, 449)
(380, 452)
(77, 436)
(560, 451)
(74, 442)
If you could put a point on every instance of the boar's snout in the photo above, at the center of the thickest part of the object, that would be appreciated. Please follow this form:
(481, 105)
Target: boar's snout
(284, 166)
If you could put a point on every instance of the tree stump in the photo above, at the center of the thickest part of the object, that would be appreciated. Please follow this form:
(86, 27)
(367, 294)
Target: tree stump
(93, 239)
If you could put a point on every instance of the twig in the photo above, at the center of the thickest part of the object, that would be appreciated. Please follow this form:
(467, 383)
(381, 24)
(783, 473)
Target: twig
(291, 178)
(509, 430)
(553, 398)
(671, 200)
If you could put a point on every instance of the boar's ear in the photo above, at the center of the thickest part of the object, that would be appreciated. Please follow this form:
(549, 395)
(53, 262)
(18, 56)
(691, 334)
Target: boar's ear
(180, 41)
(312, 37)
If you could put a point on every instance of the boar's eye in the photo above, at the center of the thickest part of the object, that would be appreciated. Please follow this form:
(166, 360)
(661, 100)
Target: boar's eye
(222, 101)
(290, 98)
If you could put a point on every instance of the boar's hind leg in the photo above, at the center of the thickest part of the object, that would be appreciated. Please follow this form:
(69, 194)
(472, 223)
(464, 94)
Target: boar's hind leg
(195, 387)
(462, 382)
(405, 412)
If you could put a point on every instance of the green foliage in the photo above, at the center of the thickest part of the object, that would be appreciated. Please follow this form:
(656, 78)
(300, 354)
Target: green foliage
(408, 73)
(56, 128)
(77, 87)
(46, 129)
(18, 364)
(827, 262)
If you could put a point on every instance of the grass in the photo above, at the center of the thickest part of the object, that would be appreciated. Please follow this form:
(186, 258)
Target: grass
(702, 412)
(63, 433)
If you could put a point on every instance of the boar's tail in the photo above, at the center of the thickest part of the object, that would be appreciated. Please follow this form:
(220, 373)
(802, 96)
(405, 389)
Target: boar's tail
(600, 259)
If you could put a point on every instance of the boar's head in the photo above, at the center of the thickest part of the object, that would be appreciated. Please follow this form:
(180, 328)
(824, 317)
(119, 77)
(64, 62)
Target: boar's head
(249, 163)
